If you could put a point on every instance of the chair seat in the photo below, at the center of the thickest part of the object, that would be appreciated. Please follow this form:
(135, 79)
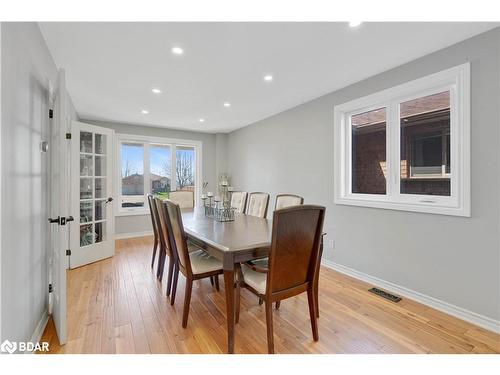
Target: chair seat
(202, 262)
(257, 280)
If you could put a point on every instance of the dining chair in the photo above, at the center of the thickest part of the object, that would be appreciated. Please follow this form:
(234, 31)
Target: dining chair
(166, 245)
(154, 221)
(194, 265)
(257, 204)
(239, 201)
(184, 198)
(287, 200)
(292, 265)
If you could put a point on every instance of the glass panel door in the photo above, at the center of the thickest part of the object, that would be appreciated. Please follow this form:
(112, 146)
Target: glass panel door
(92, 187)
(92, 238)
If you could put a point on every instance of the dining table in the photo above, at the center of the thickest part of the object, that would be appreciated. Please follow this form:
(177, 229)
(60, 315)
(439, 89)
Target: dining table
(232, 242)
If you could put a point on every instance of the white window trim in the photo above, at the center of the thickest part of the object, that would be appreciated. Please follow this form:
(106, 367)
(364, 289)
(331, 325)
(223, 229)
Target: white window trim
(171, 142)
(457, 79)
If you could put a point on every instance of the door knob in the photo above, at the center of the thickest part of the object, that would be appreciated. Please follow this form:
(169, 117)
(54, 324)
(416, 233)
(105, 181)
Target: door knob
(110, 199)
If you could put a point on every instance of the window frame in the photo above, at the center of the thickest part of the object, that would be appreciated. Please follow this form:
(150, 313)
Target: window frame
(149, 141)
(457, 81)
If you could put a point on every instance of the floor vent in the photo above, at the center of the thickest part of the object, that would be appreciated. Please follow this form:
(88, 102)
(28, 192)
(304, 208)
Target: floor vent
(383, 294)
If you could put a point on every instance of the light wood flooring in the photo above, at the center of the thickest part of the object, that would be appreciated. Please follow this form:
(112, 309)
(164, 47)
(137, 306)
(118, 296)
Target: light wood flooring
(117, 306)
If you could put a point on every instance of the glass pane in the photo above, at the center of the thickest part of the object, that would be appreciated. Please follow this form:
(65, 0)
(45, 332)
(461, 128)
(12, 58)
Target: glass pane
(86, 165)
(100, 232)
(132, 173)
(100, 188)
(85, 188)
(100, 165)
(160, 166)
(100, 144)
(86, 142)
(185, 168)
(85, 212)
(425, 145)
(369, 152)
(100, 210)
(86, 235)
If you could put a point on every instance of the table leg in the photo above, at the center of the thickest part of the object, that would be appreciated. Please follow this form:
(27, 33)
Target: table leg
(230, 306)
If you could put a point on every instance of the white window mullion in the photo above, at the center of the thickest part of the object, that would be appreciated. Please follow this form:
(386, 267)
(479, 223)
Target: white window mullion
(395, 152)
(147, 177)
(173, 183)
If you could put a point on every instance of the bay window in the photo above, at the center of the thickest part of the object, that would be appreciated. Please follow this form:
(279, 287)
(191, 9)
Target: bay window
(407, 147)
(157, 166)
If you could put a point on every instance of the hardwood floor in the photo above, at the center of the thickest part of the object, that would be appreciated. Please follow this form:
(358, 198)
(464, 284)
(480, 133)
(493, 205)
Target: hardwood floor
(117, 306)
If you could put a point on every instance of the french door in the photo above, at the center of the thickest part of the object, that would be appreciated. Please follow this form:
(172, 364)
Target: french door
(92, 235)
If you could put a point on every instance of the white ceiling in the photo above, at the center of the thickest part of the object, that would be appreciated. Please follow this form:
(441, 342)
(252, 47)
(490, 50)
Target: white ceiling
(112, 67)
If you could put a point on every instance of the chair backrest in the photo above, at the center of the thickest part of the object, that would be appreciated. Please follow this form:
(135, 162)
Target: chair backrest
(165, 235)
(294, 252)
(154, 214)
(257, 204)
(184, 198)
(239, 200)
(288, 200)
(176, 228)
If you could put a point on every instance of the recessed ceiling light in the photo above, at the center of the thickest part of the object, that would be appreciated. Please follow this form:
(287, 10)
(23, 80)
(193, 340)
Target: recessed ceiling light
(144, 111)
(354, 23)
(156, 91)
(201, 120)
(177, 50)
(268, 78)
(227, 104)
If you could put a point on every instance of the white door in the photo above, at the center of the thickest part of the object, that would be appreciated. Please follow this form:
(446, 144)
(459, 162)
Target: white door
(59, 149)
(92, 233)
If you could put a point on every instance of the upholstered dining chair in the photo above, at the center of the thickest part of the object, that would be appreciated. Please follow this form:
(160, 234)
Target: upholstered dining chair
(287, 200)
(257, 204)
(166, 245)
(194, 265)
(154, 222)
(239, 200)
(292, 265)
(184, 198)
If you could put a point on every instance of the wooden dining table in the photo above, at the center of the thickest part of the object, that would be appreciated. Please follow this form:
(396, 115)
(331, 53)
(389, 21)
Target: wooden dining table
(246, 238)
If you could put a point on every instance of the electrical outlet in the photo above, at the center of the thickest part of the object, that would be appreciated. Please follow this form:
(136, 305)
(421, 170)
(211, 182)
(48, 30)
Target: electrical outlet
(331, 244)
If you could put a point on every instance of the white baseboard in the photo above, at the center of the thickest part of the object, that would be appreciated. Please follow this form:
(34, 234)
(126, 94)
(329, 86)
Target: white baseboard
(40, 328)
(121, 236)
(458, 312)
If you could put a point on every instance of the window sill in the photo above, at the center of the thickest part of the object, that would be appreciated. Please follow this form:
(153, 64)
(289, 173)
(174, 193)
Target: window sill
(431, 208)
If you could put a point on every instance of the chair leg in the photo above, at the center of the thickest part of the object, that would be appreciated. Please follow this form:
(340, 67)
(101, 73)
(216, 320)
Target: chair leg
(269, 325)
(316, 301)
(237, 301)
(154, 252)
(161, 263)
(311, 296)
(216, 279)
(170, 274)
(212, 280)
(174, 283)
(187, 301)
(278, 303)
(261, 301)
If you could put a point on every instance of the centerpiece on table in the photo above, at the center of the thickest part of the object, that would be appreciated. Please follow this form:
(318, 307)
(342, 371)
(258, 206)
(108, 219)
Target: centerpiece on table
(219, 207)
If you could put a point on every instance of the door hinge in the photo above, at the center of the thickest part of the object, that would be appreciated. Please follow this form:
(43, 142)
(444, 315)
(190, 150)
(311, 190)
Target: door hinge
(68, 252)
(50, 288)
(68, 135)
(51, 113)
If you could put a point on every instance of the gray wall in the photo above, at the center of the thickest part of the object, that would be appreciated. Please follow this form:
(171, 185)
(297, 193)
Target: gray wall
(453, 259)
(142, 223)
(27, 68)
